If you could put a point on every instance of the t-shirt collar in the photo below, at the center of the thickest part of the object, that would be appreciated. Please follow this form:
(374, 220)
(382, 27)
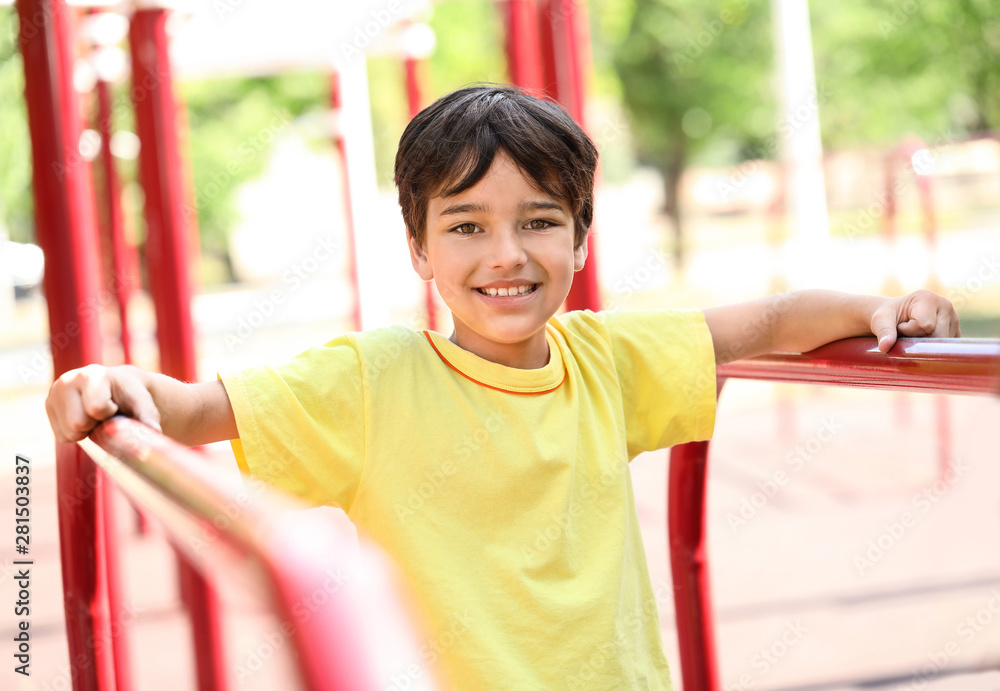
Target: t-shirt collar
(496, 376)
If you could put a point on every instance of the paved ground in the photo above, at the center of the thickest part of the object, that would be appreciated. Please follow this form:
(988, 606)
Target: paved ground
(840, 558)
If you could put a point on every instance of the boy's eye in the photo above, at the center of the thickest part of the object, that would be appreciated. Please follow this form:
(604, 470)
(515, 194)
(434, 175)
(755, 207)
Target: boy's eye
(538, 224)
(465, 229)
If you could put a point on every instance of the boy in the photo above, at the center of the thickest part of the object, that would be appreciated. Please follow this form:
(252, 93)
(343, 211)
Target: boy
(493, 465)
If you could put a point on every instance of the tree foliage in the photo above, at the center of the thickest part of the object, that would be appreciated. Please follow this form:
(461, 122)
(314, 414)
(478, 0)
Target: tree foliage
(16, 207)
(895, 67)
(697, 77)
(695, 80)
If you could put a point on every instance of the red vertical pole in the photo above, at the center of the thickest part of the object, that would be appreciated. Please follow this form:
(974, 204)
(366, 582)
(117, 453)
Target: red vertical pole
(689, 566)
(64, 223)
(889, 219)
(566, 55)
(110, 227)
(161, 174)
(336, 99)
(414, 99)
(168, 234)
(121, 258)
(522, 45)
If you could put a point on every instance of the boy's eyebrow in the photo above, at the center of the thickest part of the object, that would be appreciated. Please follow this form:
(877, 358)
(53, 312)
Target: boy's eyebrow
(540, 205)
(458, 209)
(473, 207)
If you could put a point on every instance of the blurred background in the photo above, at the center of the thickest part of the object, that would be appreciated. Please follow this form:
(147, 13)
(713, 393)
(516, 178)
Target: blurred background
(747, 147)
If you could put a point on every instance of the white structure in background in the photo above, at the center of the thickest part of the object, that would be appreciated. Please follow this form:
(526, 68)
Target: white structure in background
(800, 147)
(212, 38)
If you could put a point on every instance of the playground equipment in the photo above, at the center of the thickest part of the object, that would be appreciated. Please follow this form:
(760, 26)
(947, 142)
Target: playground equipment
(941, 366)
(66, 230)
(546, 49)
(340, 613)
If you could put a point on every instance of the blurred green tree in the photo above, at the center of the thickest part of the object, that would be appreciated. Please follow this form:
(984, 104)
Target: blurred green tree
(893, 67)
(16, 206)
(233, 124)
(696, 81)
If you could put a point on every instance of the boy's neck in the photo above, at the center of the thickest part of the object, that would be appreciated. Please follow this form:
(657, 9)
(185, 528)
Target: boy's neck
(530, 354)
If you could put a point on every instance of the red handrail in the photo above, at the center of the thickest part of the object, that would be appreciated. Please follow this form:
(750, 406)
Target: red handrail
(941, 365)
(267, 542)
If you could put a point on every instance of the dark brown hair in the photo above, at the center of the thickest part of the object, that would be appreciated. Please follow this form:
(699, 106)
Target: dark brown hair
(450, 145)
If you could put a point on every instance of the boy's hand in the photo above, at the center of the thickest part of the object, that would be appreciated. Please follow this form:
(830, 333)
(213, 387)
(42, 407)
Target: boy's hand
(922, 313)
(81, 399)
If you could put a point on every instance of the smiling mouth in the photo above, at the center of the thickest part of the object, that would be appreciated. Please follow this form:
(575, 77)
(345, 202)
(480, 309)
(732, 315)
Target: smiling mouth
(508, 292)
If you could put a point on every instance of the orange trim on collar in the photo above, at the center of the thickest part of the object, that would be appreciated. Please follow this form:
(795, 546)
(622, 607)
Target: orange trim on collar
(488, 386)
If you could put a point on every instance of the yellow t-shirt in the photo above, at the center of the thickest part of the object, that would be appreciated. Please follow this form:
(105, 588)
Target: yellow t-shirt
(502, 493)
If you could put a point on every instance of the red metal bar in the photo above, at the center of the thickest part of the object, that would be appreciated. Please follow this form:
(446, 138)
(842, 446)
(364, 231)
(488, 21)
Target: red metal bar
(336, 98)
(414, 99)
(522, 45)
(274, 548)
(64, 223)
(169, 231)
(566, 55)
(889, 218)
(942, 414)
(940, 365)
(689, 565)
(944, 365)
(122, 258)
(161, 174)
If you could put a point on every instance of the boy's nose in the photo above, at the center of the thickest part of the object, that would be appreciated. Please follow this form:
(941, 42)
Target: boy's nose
(507, 250)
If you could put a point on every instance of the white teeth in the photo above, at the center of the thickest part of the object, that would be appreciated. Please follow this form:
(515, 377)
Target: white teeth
(508, 292)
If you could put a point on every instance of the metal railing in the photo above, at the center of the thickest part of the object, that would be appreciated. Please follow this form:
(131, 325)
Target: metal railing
(938, 365)
(334, 609)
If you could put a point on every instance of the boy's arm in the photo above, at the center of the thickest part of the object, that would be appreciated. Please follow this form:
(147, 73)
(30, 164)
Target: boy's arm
(190, 413)
(801, 321)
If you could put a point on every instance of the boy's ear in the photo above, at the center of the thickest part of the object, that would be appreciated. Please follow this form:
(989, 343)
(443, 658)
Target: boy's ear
(419, 259)
(580, 256)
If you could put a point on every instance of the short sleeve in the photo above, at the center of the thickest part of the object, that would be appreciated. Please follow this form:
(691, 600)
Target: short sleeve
(666, 367)
(301, 424)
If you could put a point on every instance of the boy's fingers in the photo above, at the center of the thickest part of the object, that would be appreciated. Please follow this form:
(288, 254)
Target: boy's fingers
(947, 324)
(95, 394)
(72, 423)
(135, 401)
(883, 325)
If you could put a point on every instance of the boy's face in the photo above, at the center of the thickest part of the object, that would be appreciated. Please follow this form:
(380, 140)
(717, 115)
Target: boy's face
(500, 236)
